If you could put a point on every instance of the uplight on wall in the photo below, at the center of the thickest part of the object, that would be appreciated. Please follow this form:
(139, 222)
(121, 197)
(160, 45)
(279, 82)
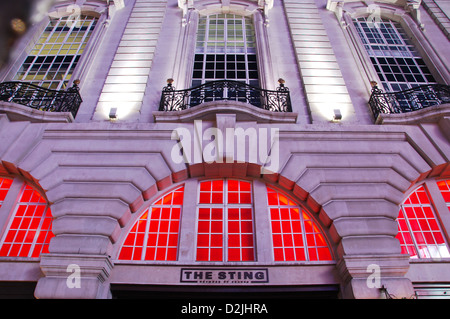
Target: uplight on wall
(113, 113)
(337, 115)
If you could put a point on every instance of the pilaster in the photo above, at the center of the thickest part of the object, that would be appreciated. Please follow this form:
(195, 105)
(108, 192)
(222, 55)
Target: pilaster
(74, 276)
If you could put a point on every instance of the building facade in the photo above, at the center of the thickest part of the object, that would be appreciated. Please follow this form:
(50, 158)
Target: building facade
(292, 148)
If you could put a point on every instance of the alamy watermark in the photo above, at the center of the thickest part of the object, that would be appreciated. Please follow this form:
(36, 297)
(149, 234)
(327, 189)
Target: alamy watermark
(374, 279)
(374, 19)
(74, 279)
(227, 146)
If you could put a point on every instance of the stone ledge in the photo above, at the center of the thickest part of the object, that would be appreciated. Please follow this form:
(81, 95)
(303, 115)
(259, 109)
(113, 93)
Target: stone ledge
(17, 112)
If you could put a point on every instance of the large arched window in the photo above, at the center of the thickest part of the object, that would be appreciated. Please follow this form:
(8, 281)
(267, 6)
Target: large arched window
(28, 232)
(419, 230)
(154, 236)
(222, 220)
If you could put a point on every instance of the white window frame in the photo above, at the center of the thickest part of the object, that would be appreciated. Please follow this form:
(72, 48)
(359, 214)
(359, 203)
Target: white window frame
(203, 48)
(184, 60)
(225, 206)
(386, 51)
(347, 10)
(39, 51)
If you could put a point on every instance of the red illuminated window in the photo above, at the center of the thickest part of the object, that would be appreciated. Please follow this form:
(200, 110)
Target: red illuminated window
(444, 187)
(419, 232)
(29, 231)
(225, 221)
(295, 236)
(154, 236)
(5, 184)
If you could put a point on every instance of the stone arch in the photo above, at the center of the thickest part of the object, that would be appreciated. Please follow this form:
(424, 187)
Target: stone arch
(244, 171)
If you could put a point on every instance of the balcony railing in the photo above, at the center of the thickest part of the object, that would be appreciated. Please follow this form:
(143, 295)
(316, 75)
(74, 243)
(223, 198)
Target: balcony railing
(40, 98)
(176, 100)
(409, 100)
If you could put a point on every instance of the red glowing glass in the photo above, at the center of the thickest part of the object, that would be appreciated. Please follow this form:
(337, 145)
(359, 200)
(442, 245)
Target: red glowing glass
(295, 235)
(225, 221)
(154, 236)
(444, 187)
(418, 228)
(29, 232)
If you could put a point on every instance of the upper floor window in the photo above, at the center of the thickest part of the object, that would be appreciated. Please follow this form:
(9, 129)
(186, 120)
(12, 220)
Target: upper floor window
(225, 49)
(396, 60)
(28, 231)
(419, 230)
(52, 61)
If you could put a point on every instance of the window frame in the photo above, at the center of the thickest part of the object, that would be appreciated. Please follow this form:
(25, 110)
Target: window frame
(397, 33)
(263, 246)
(184, 60)
(293, 203)
(440, 210)
(9, 209)
(28, 42)
(202, 50)
(367, 70)
(50, 59)
(148, 220)
(225, 206)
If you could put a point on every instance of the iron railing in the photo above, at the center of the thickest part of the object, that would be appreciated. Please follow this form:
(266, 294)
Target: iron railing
(40, 98)
(176, 100)
(409, 100)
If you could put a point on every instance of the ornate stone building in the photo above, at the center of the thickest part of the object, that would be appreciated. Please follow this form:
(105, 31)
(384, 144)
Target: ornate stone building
(156, 148)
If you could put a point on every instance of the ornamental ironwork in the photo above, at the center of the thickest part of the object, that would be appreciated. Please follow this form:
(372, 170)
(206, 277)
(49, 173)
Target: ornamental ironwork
(272, 100)
(40, 98)
(410, 100)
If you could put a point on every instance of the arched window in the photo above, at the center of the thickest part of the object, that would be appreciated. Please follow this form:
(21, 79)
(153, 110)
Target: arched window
(419, 232)
(218, 224)
(154, 236)
(225, 221)
(52, 61)
(295, 236)
(396, 60)
(29, 232)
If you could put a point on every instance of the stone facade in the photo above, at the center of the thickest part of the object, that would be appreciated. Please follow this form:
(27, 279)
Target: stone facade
(351, 175)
